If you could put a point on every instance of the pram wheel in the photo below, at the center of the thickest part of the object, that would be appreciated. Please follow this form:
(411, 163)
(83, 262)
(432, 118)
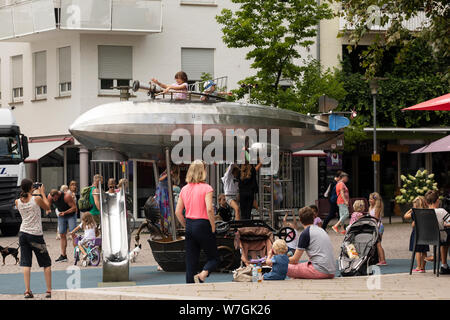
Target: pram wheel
(287, 234)
(222, 227)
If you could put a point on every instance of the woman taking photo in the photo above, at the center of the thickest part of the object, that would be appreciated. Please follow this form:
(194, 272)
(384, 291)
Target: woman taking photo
(196, 198)
(31, 236)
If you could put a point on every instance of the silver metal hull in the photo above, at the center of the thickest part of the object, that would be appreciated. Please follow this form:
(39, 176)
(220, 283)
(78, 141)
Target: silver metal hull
(142, 130)
(114, 237)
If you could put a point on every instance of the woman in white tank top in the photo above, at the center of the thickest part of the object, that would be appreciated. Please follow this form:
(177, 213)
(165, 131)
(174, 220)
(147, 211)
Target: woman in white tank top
(31, 236)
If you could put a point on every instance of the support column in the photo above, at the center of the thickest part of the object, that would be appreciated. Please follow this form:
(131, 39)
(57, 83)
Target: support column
(84, 167)
(429, 162)
(135, 197)
(65, 165)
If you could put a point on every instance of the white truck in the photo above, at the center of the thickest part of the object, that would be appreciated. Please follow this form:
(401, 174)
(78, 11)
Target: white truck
(13, 152)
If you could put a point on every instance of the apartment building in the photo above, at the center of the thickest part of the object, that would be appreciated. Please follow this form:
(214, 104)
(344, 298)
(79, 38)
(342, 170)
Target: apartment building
(59, 58)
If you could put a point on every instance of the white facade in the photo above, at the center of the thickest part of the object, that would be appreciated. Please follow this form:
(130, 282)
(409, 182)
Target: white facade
(185, 24)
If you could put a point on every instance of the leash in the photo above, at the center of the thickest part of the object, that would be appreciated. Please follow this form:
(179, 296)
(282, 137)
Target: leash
(8, 246)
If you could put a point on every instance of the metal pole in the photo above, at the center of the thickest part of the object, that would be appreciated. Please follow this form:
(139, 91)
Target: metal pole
(375, 141)
(171, 205)
(135, 190)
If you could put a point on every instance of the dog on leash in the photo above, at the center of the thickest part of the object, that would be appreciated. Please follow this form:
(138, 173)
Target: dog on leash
(135, 252)
(6, 251)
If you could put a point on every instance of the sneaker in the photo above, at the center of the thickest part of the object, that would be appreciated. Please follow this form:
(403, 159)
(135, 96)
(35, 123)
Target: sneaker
(61, 259)
(419, 270)
(382, 263)
(445, 270)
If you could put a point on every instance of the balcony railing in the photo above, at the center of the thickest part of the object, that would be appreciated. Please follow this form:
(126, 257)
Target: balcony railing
(23, 17)
(416, 23)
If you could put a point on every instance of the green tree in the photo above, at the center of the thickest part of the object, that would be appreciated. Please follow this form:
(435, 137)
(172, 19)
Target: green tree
(391, 14)
(274, 31)
(416, 78)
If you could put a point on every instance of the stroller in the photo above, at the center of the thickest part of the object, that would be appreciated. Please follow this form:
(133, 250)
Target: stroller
(254, 238)
(362, 237)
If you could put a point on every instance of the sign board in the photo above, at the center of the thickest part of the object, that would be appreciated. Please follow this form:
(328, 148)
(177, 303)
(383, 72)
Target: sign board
(376, 157)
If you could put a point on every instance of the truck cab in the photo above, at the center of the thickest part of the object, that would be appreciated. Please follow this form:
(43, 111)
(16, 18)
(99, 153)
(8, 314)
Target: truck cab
(13, 152)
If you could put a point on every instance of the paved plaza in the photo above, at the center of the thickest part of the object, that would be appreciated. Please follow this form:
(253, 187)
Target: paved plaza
(394, 282)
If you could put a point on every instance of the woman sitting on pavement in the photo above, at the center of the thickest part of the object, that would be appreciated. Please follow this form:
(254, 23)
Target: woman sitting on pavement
(315, 241)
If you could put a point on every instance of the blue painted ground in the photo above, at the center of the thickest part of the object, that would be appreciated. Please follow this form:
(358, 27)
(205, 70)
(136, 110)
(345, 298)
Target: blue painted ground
(12, 283)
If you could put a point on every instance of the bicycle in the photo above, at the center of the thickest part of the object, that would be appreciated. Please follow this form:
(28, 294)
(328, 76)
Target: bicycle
(92, 253)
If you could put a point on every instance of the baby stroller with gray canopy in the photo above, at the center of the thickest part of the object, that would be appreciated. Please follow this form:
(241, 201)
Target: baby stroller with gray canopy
(359, 248)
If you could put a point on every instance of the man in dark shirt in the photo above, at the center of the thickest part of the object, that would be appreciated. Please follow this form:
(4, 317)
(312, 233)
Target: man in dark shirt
(332, 198)
(67, 217)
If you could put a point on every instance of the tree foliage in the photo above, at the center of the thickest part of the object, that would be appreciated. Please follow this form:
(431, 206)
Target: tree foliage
(274, 31)
(392, 15)
(416, 78)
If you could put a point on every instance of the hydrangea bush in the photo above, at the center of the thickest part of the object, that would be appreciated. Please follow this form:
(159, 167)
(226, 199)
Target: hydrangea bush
(414, 186)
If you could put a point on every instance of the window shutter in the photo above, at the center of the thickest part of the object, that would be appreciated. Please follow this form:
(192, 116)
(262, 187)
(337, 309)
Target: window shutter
(115, 62)
(65, 68)
(197, 61)
(17, 73)
(40, 68)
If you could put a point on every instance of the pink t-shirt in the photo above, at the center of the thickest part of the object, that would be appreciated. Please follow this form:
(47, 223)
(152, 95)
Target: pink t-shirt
(341, 186)
(193, 196)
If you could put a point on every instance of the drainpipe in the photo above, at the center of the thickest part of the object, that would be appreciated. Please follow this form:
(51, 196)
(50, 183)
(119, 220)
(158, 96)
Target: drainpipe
(318, 39)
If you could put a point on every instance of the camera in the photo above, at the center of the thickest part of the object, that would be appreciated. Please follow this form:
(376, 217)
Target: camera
(37, 185)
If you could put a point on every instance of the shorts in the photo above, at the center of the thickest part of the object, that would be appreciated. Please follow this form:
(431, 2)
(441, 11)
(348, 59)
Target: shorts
(67, 223)
(30, 243)
(306, 271)
(343, 212)
(230, 198)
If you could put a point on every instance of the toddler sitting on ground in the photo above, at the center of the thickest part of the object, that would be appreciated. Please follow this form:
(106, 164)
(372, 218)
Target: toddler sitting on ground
(278, 260)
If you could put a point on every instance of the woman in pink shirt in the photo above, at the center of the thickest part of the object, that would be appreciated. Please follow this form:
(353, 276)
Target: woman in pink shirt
(196, 198)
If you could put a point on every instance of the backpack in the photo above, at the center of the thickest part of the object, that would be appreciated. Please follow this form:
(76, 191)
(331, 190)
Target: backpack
(83, 203)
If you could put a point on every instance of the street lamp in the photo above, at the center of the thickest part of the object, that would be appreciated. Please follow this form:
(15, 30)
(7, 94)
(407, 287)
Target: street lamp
(373, 84)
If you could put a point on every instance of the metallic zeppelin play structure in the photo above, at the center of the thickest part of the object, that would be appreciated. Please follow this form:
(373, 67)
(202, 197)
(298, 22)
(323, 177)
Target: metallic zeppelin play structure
(152, 131)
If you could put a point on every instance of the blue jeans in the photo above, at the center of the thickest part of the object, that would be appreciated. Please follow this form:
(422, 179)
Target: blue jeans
(64, 222)
(198, 237)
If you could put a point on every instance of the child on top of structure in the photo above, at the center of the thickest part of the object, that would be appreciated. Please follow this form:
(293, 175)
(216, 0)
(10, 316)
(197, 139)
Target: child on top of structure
(180, 86)
(209, 88)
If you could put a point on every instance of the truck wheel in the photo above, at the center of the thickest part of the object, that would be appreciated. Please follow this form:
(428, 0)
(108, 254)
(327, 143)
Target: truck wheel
(10, 231)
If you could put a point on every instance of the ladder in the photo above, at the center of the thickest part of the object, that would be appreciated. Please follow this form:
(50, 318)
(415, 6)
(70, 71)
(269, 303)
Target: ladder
(268, 210)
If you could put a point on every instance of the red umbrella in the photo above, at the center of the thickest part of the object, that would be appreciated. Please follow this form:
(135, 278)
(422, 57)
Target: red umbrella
(441, 103)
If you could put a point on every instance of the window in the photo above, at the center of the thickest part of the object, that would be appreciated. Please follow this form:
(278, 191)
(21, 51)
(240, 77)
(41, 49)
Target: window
(115, 64)
(65, 76)
(0, 82)
(198, 2)
(195, 62)
(40, 74)
(17, 78)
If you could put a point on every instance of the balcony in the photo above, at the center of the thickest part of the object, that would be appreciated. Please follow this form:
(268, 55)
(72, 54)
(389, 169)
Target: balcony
(19, 18)
(416, 23)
